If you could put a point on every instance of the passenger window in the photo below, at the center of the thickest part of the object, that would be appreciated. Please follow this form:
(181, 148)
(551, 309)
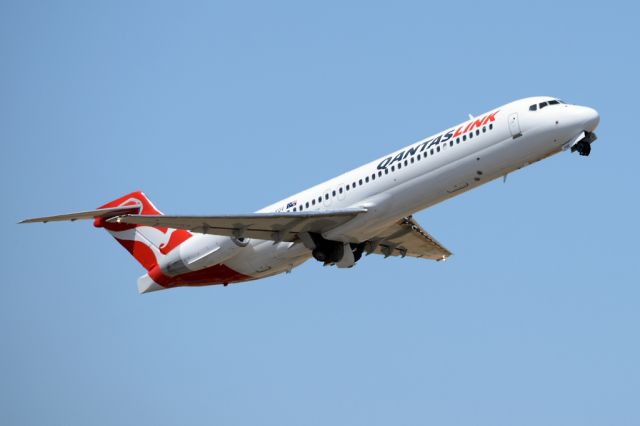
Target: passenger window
(366, 179)
(360, 182)
(326, 196)
(470, 135)
(533, 107)
(484, 129)
(451, 143)
(386, 171)
(431, 151)
(380, 173)
(319, 199)
(334, 193)
(438, 148)
(478, 132)
(393, 168)
(307, 205)
(491, 126)
(412, 160)
(399, 166)
(347, 187)
(406, 162)
(543, 104)
(340, 190)
(464, 137)
(313, 202)
(457, 140)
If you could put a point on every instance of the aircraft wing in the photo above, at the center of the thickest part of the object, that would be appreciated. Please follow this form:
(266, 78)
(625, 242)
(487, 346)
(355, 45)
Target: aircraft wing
(262, 226)
(404, 238)
(407, 238)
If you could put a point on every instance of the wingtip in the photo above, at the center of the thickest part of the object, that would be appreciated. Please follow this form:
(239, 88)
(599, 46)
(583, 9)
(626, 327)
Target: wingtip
(23, 221)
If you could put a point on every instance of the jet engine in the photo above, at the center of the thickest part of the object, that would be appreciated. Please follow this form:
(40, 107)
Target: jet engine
(195, 254)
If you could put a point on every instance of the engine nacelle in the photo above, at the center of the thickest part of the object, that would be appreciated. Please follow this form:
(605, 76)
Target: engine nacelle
(199, 253)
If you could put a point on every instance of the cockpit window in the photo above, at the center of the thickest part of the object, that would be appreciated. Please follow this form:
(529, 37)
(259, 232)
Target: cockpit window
(541, 105)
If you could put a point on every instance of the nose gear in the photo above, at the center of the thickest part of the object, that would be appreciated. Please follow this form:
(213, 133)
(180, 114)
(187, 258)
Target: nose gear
(583, 147)
(581, 143)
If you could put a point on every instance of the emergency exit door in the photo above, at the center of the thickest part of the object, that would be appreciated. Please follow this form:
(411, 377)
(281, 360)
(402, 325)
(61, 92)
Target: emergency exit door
(514, 125)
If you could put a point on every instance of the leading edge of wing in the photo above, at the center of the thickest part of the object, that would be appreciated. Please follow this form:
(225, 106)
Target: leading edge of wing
(264, 226)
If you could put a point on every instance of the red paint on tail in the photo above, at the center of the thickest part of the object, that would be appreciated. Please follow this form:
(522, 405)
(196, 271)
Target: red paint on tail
(145, 206)
(144, 243)
(143, 254)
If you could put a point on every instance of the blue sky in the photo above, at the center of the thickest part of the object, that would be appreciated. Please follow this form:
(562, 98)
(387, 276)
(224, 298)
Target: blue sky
(224, 108)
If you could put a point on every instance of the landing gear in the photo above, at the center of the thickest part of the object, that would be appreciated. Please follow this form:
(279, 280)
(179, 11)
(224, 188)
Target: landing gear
(343, 255)
(358, 249)
(328, 252)
(583, 147)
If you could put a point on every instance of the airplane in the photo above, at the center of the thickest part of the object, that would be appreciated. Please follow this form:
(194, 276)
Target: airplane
(366, 210)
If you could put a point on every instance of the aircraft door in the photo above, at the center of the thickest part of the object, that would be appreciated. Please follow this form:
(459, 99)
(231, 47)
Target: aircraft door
(514, 125)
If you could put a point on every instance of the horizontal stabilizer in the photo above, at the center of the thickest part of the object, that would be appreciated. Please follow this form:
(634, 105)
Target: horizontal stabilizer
(92, 214)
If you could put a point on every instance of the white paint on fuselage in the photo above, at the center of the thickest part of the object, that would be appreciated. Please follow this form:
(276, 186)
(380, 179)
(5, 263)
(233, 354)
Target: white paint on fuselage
(425, 182)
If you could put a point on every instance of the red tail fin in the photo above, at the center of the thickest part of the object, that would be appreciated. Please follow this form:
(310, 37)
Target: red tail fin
(147, 244)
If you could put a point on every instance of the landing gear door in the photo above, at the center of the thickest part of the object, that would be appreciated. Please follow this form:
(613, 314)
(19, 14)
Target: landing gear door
(514, 125)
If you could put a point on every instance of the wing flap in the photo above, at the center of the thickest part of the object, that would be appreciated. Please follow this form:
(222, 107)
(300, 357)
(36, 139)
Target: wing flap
(407, 238)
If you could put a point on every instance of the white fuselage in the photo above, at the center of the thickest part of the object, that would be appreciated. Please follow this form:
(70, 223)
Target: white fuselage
(423, 174)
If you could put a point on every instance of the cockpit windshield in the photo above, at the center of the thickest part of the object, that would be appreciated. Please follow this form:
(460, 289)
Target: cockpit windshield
(541, 105)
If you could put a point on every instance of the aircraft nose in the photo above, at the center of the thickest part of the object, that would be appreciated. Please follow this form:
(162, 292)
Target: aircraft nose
(591, 119)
